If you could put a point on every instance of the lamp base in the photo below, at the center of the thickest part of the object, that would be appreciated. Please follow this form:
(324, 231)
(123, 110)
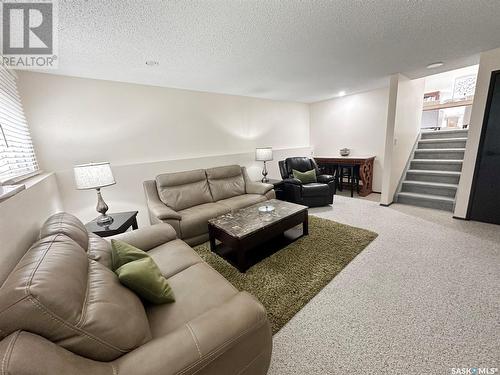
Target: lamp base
(264, 173)
(102, 208)
(104, 220)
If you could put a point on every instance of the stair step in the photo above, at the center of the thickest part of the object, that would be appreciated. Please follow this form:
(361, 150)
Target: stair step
(442, 143)
(446, 177)
(434, 173)
(430, 188)
(436, 165)
(440, 153)
(440, 134)
(426, 200)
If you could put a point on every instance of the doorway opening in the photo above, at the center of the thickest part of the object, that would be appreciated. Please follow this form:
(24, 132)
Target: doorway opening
(448, 99)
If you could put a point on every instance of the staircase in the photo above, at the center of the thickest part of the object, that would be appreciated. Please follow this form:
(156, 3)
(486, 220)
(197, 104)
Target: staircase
(432, 177)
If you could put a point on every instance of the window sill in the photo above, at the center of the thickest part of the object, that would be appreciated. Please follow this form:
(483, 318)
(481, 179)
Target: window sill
(8, 191)
(13, 190)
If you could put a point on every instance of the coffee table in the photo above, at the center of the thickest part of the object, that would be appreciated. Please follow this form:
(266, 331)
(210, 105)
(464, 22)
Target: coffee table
(245, 229)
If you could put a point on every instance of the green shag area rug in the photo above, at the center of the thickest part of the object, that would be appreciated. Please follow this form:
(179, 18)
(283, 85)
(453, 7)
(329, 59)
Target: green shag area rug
(285, 281)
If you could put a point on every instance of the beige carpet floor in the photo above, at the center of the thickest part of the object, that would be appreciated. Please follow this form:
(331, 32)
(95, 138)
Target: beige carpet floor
(285, 281)
(422, 298)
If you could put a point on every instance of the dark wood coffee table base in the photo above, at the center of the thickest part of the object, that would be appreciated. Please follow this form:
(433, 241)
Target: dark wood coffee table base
(242, 246)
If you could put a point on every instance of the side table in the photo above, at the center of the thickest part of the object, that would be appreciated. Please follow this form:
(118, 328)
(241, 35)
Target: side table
(121, 222)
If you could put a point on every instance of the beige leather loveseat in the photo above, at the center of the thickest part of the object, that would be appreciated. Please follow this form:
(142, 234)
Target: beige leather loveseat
(186, 200)
(63, 311)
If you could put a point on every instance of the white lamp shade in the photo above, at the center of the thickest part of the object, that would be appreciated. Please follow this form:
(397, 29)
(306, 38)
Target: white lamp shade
(264, 154)
(93, 176)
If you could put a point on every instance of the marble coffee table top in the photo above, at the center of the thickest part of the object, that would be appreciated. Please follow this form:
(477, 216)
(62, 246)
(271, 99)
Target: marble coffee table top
(245, 221)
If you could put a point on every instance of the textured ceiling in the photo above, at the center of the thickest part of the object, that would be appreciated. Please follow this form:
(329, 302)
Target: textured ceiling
(287, 50)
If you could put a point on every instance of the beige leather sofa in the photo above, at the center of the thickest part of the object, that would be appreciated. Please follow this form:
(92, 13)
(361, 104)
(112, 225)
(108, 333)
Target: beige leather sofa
(63, 311)
(186, 200)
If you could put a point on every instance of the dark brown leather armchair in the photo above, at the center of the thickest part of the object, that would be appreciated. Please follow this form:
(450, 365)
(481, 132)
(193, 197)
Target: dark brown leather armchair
(313, 194)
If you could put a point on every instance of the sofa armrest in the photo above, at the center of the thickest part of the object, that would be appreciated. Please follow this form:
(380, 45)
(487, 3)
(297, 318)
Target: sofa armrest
(293, 181)
(161, 211)
(261, 188)
(293, 190)
(252, 187)
(325, 178)
(227, 339)
(156, 207)
(27, 353)
(148, 238)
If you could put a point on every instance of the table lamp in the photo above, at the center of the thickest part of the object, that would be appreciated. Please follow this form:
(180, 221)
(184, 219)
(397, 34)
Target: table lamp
(95, 176)
(264, 154)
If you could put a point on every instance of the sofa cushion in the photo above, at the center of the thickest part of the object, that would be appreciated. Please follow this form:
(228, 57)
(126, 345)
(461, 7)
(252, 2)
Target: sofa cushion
(100, 250)
(173, 257)
(57, 292)
(232, 338)
(242, 201)
(226, 182)
(195, 219)
(67, 224)
(183, 189)
(198, 289)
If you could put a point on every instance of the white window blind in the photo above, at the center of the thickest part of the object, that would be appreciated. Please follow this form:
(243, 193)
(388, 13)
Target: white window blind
(17, 155)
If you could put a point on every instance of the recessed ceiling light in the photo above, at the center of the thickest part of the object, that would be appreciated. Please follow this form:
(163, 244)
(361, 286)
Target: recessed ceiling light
(341, 93)
(152, 63)
(435, 65)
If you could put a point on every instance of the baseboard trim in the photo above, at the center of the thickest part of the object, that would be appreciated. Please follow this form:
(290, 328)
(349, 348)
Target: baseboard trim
(460, 218)
(386, 205)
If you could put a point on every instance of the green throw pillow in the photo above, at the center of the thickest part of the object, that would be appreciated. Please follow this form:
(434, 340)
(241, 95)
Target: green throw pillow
(138, 272)
(305, 177)
(123, 253)
(144, 277)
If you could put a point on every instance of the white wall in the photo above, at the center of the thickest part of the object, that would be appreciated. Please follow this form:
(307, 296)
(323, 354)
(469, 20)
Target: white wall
(145, 130)
(489, 61)
(401, 139)
(21, 217)
(128, 194)
(357, 122)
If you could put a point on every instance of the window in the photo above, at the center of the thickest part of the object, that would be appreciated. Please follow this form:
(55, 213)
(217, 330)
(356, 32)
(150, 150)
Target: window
(17, 155)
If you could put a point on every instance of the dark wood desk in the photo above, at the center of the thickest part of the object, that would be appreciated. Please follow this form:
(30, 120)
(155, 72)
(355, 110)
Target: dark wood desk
(365, 168)
(121, 222)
